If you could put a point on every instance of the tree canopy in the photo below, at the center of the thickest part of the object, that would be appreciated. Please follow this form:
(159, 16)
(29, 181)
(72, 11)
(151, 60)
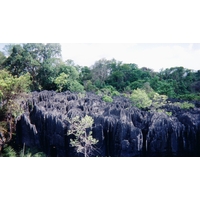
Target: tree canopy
(46, 68)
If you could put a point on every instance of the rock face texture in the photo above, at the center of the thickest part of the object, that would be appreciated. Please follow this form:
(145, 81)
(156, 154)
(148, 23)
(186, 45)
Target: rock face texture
(122, 130)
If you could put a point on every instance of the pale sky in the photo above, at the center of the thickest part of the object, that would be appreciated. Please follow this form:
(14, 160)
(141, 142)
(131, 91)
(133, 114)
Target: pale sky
(152, 55)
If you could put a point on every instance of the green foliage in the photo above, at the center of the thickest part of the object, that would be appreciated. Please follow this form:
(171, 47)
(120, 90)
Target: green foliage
(158, 100)
(169, 113)
(12, 90)
(115, 93)
(64, 83)
(124, 75)
(140, 99)
(84, 141)
(11, 86)
(163, 111)
(30, 153)
(174, 82)
(190, 97)
(31, 57)
(100, 72)
(8, 151)
(99, 93)
(75, 86)
(88, 86)
(86, 74)
(42, 52)
(69, 70)
(61, 81)
(107, 98)
(46, 76)
(14, 63)
(184, 105)
(44, 64)
(2, 57)
(136, 84)
(108, 91)
(165, 87)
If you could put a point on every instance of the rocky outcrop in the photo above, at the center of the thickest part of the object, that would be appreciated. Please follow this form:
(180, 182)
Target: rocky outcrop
(122, 130)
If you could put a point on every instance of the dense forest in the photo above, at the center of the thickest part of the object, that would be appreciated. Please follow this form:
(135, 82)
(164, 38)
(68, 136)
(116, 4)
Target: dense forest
(29, 67)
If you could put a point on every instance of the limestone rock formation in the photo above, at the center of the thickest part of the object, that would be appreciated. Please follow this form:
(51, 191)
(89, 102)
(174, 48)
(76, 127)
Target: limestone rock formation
(122, 130)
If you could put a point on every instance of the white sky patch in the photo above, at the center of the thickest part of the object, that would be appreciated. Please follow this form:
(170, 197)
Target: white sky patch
(155, 56)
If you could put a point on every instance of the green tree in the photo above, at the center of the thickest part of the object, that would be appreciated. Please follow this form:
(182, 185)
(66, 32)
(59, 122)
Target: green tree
(137, 84)
(71, 71)
(62, 81)
(140, 98)
(11, 94)
(101, 71)
(11, 86)
(88, 86)
(35, 58)
(126, 75)
(85, 74)
(75, 86)
(14, 62)
(176, 79)
(72, 81)
(42, 52)
(50, 69)
(84, 141)
(2, 58)
(36, 50)
(52, 50)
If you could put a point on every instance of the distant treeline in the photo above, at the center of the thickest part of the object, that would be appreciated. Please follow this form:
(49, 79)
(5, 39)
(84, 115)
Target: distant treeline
(47, 71)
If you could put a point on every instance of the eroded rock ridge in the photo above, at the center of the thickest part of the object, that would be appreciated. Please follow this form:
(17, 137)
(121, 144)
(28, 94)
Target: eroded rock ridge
(121, 128)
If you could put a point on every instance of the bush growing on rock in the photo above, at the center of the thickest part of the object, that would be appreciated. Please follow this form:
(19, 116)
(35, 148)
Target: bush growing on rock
(184, 105)
(140, 98)
(83, 142)
(107, 98)
(158, 100)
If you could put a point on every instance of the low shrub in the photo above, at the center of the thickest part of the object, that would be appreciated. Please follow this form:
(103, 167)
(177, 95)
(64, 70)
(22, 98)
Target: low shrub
(140, 99)
(184, 105)
(107, 99)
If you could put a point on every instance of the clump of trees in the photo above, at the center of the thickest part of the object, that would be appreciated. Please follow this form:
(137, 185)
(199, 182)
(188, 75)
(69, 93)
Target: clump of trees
(12, 91)
(49, 72)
